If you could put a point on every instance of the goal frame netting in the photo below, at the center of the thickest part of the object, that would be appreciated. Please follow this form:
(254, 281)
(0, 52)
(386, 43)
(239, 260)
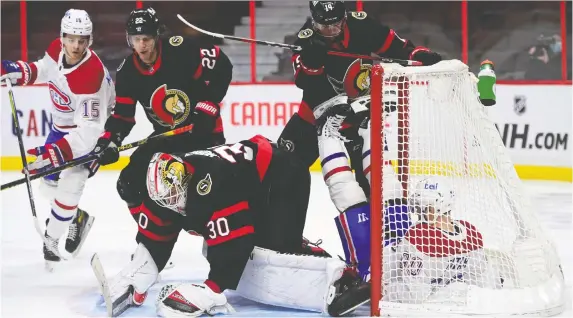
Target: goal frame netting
(402, 84)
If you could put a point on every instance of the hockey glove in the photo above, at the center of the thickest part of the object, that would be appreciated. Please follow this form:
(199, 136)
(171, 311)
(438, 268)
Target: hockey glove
(192, 300)
(205, 117)
(425, 56)
(50, 156)
(313, 56)
(106, 148)
(19, 73)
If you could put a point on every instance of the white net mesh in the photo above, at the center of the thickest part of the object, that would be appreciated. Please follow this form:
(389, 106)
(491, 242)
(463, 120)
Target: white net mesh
(473, 244)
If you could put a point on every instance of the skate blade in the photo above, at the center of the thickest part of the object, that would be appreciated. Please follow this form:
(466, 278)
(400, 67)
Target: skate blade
(87, 230)
(349, 310)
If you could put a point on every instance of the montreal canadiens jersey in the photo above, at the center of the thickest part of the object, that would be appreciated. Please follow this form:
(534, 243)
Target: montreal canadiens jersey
(428, 259)
(82, 96)
(183, 74)
(226, 189)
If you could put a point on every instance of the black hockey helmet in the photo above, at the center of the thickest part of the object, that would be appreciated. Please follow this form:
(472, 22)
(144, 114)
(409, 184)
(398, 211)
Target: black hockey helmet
(328, 17)
(142, 22)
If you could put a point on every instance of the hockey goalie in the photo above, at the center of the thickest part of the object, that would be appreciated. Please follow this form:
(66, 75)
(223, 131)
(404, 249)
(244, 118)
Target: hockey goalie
(248, 201)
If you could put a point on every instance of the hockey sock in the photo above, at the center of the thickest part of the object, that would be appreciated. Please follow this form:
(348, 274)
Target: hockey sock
(396, 221)
(354, 229)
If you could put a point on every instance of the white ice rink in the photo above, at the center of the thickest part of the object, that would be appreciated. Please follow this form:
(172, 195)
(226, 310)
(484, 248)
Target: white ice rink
(71, 290)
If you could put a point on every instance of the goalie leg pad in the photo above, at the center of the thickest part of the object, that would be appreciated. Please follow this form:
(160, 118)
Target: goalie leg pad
(291, 281)
(136, 278)
(354, 229)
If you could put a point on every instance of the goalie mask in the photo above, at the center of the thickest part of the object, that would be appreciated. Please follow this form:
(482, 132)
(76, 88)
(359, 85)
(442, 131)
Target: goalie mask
(167, 181)
(431, 198)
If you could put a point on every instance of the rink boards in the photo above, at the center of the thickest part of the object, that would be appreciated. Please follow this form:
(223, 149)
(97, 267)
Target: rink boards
(534, 122)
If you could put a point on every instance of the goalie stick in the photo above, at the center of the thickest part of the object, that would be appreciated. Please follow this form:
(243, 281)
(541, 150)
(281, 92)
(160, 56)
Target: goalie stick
(92, 157)
(124, 302)
(116, 308)
(297, 48)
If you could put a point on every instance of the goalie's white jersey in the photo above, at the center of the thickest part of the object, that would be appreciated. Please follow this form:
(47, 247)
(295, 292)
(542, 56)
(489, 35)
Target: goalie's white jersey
(82, 96)
(429, 263)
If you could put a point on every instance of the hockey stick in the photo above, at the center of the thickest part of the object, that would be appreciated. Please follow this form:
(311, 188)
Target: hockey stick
(297, 48)
(26, 178)
(92, 157)
(114, 308)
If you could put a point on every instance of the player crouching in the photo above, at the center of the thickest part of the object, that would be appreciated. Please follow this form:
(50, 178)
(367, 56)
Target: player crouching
(247, 202)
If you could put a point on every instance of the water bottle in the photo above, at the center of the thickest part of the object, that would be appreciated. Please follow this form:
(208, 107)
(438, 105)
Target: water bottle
(486, 83)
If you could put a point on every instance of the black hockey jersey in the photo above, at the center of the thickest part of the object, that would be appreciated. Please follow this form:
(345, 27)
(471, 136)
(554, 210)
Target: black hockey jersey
(184, 74)
(362, 35)
(223, 195)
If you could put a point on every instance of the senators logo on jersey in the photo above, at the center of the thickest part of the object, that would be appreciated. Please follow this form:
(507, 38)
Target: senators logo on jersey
(171, 107)
(357, 79)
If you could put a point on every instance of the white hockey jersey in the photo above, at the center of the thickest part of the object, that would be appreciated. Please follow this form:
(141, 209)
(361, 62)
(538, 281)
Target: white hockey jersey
(431, 264)
(82, 96)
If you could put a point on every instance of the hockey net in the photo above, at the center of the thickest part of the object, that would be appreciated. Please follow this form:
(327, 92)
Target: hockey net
(433, 125)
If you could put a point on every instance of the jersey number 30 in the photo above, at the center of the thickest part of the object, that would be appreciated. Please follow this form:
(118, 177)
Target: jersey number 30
(219, 227)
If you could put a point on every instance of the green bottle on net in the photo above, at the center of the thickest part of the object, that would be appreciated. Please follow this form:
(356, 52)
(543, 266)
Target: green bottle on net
(486, 83)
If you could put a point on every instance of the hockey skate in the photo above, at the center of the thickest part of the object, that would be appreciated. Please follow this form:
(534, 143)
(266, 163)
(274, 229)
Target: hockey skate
(329, 124)
(78, 231)
(351, 293)
(314, 249)
(50, 256)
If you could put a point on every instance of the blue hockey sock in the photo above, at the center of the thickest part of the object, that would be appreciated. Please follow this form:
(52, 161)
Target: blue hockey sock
(396, 221)
(354, 229)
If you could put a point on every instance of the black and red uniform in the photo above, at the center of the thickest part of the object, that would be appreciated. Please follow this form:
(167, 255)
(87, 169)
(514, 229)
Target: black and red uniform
(321, 76)
(239, 195)
(184, 86)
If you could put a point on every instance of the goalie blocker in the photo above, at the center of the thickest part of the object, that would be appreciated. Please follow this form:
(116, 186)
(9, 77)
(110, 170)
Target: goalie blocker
(237, 197)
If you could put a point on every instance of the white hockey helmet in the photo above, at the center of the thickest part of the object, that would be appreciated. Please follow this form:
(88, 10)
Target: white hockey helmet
(77, 22)
(167, 181)
(431, 192)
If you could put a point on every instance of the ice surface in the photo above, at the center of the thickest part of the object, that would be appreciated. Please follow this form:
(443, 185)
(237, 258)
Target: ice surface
(71, 290)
